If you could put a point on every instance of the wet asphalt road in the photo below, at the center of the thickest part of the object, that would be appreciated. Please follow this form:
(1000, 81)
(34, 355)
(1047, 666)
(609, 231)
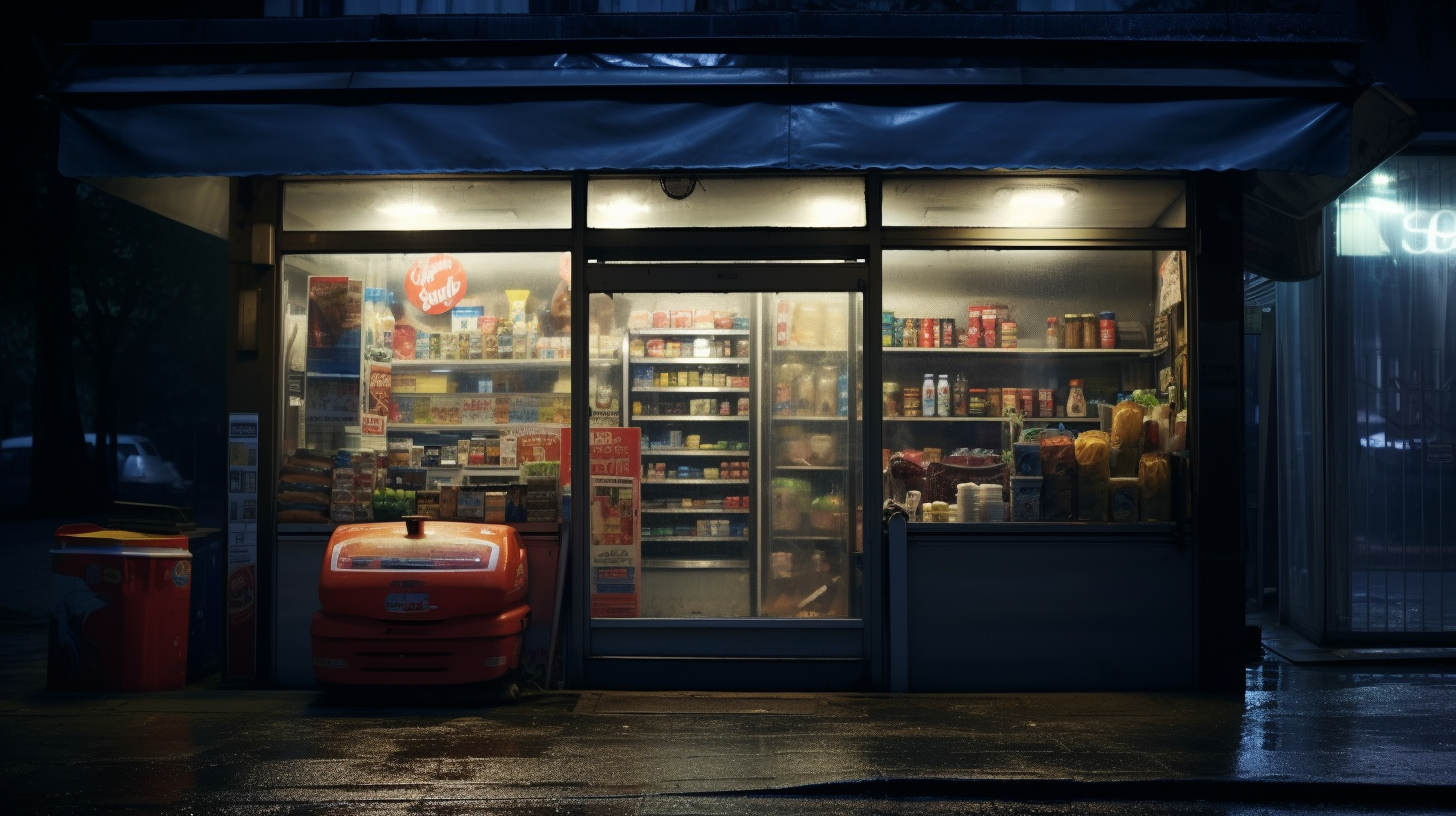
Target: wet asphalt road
(1329, 740)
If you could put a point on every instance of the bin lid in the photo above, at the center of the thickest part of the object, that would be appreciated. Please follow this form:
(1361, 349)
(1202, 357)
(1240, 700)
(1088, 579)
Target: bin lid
(89, 535)
(443, 546)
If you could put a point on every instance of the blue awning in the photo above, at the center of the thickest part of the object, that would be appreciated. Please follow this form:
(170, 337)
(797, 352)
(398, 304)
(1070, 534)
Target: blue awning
(103, 137)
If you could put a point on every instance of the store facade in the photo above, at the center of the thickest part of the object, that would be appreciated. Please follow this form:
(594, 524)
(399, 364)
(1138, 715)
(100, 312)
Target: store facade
(762, 295)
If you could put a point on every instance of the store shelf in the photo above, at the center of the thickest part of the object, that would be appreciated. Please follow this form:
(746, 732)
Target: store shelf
(446, 366)
(688, 389)
(482, 394)
(810, 468)
(691, 360)
(681, 418)
(692, 511)
(797, 537)
(478, 470)
(326, 375)
(947, 419)
(694, 563)
(650, 539)
(793, 418)
(415, 426)
(685, 332)
(812, 349)
(1033, 352)
(694, 482)
(694, 452)
(1066, 420)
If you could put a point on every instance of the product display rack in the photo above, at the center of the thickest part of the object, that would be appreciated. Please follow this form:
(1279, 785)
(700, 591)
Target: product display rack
(676, 557)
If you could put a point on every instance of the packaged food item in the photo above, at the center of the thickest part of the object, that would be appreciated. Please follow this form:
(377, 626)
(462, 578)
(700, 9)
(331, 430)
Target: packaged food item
(1025, 498)
(910, 402)
(1076, 401)
(1155, 487)
(1024, 401)
(973, 327)
(1122, 499)
(993, 402)
(1045, 402)
(947, 332)
(1059, 478)
(1127, 437)
(1026, 456)
(1089, 331)
(890, 398)
(1093, 452)
(1107, 330)
(1071, 331)
(1008, 335)
(1053, 333)
(976, 402)
(989, 338)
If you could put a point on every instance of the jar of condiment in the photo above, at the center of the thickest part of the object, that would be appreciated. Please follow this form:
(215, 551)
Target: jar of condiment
(1107, 330)
(910, 401)
(976, 402)
(1071, 331)
(1076, 401)
(1089, 331)
(1053, 334)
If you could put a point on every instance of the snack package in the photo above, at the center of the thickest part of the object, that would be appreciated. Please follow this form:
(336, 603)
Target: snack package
(1127, 437)
(1059, 478)
(1155, 487)
(1122, 502)
(1094, 454)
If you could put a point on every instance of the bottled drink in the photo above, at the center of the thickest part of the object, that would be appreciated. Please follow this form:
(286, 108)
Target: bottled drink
(927, 396)
(942, 396)
(958, 396)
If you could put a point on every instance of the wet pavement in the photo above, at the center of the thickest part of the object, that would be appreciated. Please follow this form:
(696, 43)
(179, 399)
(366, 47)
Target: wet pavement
(1369, 737)
(1338, 739)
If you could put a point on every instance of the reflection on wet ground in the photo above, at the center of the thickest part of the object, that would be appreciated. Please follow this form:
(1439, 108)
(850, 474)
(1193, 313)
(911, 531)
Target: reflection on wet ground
(1358, 739)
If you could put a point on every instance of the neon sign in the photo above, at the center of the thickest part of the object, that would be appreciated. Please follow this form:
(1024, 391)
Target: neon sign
(1436, 232)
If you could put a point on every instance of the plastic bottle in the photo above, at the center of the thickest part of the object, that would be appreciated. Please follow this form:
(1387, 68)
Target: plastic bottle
(386, 327)
(520, 348)
(942, 396)
(927, 396)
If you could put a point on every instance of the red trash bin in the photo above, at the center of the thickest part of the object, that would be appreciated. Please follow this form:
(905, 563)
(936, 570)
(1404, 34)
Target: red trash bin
(120, 610)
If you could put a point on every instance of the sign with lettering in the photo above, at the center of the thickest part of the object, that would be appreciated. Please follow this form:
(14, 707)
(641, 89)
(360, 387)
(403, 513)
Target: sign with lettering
(1429, 233)
(435, 284)
(614, 505)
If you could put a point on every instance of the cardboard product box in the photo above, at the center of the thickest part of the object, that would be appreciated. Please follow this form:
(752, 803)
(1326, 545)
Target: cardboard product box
(449, 501)
(494, 507)
(427, 503)
(470, 504)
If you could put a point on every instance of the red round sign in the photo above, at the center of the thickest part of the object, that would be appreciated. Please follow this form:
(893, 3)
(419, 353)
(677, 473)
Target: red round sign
(435, 284)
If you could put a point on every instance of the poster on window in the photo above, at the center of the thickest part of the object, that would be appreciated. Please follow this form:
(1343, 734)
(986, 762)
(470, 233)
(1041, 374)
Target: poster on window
(242, 543)
(614, 508)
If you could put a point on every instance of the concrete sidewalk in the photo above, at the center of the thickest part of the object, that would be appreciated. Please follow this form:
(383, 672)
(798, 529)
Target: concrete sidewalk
(1349, 739)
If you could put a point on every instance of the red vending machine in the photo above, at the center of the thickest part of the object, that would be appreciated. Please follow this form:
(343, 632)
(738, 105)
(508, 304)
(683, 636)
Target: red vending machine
(411, 604)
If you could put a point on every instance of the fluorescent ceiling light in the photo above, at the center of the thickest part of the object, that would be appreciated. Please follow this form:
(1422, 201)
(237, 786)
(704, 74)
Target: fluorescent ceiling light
(1035, 197)
(406, 209)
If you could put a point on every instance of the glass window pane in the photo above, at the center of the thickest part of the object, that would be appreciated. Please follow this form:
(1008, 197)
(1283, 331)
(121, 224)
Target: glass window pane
(634, 202)
(747, 410)
(429, 204)
(1392, 405)
(1034, 201)
(455, 368)
(984, 350)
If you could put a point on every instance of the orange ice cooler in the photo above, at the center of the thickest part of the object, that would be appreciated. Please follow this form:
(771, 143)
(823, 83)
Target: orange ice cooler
(416, 603)
(120, 610)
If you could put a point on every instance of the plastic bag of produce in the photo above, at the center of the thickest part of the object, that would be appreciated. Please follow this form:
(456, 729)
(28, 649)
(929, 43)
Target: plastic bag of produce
(1155, 487)
(1127, 437)
(1058, 478)
(1094, 453)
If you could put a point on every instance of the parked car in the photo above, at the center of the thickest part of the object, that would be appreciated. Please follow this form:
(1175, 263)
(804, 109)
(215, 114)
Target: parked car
(141, 472)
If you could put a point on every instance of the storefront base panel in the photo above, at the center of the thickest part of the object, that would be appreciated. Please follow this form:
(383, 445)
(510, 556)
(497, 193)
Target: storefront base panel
(300, 559)
(726, 674)
(997, 611)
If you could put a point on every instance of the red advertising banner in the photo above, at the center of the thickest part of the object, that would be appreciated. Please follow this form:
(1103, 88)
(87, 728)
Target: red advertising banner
(614, 508)
(377, 401)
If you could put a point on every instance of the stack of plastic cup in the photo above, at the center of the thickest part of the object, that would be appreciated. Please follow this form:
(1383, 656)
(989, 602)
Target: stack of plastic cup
(993, 506)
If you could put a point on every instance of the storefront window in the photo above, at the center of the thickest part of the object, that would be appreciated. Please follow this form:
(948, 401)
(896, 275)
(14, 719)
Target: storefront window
(435, 384)
(426, 204)
(1034, 385)
(1034, 201)
(632, 202)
